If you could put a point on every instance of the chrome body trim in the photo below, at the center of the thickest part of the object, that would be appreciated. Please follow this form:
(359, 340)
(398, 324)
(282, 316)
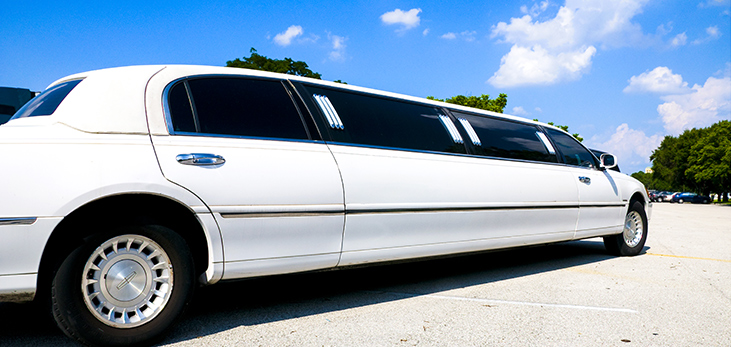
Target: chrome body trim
(546, 142)
(18, 221)
(200, 159)
(390, 210)
(449, 125)
(329, 111)
(324, 110)
(470, 131)
(330, 106)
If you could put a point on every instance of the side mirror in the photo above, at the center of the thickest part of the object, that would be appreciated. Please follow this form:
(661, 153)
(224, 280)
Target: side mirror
(607, 161)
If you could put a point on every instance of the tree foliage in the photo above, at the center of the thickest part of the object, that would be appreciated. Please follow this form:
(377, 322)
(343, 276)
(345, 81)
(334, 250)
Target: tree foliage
(566, 129)
(259, 62)
(645, 178)
(697, 160)
(482, 102)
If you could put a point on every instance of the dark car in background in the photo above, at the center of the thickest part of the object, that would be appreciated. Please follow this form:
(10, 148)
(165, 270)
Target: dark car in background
(691, 197)
(11, 100)
(663, 196)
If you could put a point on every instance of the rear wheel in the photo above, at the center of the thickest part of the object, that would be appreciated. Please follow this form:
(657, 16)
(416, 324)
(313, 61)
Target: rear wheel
(123, 287)
(632, 239)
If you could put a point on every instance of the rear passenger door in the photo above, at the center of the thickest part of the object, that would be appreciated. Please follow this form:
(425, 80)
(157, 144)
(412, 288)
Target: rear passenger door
(535, 196)
(412, 190)
(243, 146)
(601, 207)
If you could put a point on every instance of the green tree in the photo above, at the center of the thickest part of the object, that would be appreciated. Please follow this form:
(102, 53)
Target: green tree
(709, 161)
(482, 102)
(286, 65)
(643, 177)
(697, 160)
(670, 160)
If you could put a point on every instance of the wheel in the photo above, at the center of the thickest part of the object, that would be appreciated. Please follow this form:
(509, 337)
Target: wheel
(124, 287)
(632, 239)
(680, 201)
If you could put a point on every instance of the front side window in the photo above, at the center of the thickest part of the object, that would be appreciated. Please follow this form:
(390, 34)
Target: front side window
(504, 139)
(47, 102)
(234, 106)
(375, 121)
(572, 151)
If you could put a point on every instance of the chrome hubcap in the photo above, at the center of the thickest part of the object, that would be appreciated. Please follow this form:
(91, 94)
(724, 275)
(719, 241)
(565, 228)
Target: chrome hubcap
(127, 281)
(633, 229)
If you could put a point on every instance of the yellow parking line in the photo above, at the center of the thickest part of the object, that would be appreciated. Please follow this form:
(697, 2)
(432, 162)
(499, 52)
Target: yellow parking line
(684, 257)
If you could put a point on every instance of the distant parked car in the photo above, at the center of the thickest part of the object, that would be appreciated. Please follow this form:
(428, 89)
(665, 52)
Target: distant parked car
(664, 196)
(691, 197)
(654, 195)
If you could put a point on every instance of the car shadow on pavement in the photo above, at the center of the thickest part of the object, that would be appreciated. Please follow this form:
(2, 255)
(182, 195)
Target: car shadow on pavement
(257, 301)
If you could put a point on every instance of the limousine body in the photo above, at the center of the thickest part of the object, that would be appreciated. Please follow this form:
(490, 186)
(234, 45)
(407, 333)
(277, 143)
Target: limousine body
(125, 188)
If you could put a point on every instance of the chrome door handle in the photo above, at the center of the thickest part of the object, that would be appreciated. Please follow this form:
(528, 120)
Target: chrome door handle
(584, 179)
(200, 159)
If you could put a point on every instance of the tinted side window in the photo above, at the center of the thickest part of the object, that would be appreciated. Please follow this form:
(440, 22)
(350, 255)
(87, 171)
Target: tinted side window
(506, 139)
(236, 106)
(47, 102)
(180, 109)
(375, 121)
(573, 152)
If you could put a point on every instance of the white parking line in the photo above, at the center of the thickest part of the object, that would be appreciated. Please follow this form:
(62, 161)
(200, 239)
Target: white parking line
(508, 302)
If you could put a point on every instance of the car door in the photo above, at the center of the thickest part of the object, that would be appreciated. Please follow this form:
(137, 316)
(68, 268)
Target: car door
(601, 206)
(241, 145)
(411, 189)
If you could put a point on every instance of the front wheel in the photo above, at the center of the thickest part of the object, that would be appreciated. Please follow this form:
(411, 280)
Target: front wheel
(632, 239)
(124, 287)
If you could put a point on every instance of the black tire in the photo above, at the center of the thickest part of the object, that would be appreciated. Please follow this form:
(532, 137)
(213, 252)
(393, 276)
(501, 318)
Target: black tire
(165, 263)
(680, 201)
(632, 239)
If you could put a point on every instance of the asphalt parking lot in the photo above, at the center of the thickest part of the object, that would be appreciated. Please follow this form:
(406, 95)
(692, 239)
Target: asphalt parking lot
(677, 293)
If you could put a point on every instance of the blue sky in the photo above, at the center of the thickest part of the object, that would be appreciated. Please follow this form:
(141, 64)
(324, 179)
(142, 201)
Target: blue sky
(621, 73)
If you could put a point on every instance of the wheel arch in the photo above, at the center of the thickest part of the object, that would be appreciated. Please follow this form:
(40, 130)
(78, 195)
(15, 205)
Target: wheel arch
(122, 209)
(637, 196)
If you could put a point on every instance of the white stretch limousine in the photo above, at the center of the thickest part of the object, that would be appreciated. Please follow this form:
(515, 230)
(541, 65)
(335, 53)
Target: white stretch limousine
(124, 188)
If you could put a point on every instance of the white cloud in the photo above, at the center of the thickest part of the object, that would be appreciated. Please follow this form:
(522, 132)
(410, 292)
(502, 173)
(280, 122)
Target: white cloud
(467, 35)
(338, 46)
(710, 3)
(537, 66)
(539, 110)
(425, 32)
(659, 80)
(662, 30)
(679, 40)
(408, 20)
(706, 105)
(571, 36)
(632, 147)
(578, 23)
(285, 38)
(712, 33)
(520, 111)
(536, 9)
